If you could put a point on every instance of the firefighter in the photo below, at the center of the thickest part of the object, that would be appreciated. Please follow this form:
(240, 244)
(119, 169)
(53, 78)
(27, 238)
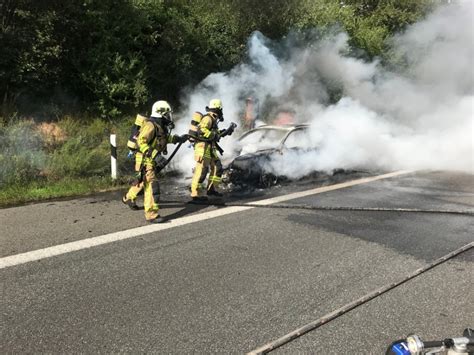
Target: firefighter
(133, 149)
(205, 152)
(152, 140)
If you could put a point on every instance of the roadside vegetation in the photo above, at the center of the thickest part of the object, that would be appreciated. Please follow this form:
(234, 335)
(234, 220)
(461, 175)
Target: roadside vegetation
(72, 72)
(68, 157)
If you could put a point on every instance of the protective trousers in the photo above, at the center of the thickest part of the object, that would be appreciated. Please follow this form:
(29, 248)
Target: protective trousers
(133, 191)
(205, 165)
(151, 191)
(137, 186)
(215, 174)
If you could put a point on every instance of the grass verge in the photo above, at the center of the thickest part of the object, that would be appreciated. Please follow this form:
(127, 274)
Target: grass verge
(67, 187)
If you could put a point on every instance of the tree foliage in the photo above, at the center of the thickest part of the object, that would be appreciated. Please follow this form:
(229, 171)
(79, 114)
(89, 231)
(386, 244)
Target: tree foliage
(114, 56)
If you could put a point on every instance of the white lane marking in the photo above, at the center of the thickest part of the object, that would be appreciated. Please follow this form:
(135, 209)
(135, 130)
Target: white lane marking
(39, 254)
(319, 190)
(112, 237)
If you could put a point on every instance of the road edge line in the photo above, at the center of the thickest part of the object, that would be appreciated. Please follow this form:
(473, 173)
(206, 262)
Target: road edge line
(60, 249)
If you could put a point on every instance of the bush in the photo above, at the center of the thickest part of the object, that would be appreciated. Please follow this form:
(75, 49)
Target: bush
(85, 152)
(21, 155)
(68, 148)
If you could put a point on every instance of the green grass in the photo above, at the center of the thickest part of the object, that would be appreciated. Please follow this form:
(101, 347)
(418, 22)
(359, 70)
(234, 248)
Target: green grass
(67, 187)
(65, 158)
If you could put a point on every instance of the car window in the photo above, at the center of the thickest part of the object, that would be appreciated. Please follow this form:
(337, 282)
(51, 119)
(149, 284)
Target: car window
(262, 139)
(299, 139)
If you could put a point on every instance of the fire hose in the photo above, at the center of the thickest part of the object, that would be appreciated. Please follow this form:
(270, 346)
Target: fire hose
(200, 139)
(171, 156)
(355, 304)
(181, 143)
(358, 209)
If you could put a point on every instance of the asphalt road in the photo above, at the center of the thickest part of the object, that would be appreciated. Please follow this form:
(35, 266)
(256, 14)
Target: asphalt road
(233, 283)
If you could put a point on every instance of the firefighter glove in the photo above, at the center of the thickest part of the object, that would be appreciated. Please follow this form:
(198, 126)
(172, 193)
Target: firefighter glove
(179, 139)
(138, 178)
(160, 161)
(228, 131)
(183, 138)
(231, 128)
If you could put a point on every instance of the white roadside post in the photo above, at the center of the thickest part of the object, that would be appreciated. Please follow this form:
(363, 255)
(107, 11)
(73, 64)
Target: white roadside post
(113, 156)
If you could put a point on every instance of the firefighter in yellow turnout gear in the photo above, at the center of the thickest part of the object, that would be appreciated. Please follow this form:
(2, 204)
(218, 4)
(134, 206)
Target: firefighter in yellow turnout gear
(152, 141)
(205, 153)
(133, 149)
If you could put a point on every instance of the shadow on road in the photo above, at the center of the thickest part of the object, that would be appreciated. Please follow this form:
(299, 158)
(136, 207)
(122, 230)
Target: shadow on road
(188, 209)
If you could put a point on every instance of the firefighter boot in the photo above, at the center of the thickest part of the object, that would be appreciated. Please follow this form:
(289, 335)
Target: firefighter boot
(130, 203)
(158, 219)
(213, 192)
(198, 199)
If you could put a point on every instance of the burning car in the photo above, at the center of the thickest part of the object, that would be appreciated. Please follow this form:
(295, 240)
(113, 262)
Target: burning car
(257, 147)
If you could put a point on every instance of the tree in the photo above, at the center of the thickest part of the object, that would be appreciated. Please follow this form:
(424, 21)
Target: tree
(31, 54)
(114, 56)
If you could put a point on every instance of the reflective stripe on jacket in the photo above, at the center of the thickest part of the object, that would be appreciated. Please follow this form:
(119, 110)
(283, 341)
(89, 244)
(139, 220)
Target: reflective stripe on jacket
(207, 129)
(151, 141)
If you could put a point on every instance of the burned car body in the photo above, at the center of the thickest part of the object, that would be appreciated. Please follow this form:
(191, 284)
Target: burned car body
(257, 147)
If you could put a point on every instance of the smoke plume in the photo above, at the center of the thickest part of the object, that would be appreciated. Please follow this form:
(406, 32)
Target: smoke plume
(361, 114)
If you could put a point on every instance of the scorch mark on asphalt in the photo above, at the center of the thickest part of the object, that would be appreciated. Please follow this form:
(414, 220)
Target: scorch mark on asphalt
(44, 253)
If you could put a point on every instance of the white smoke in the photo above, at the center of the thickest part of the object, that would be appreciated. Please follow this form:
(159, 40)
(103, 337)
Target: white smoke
(422, 118)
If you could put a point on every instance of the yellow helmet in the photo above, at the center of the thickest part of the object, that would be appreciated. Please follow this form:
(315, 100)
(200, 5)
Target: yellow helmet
(215, 103)
(160, 108)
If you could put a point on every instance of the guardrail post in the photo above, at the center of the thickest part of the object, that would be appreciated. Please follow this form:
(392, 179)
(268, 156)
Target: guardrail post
(113, 156)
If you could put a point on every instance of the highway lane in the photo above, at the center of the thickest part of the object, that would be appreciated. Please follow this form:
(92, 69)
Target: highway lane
(233, 283)
(435, 306)
(41, 225)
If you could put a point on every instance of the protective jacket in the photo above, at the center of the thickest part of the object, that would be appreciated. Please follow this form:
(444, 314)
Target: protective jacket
(132, 140)
(208, 130)
(152, 141)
